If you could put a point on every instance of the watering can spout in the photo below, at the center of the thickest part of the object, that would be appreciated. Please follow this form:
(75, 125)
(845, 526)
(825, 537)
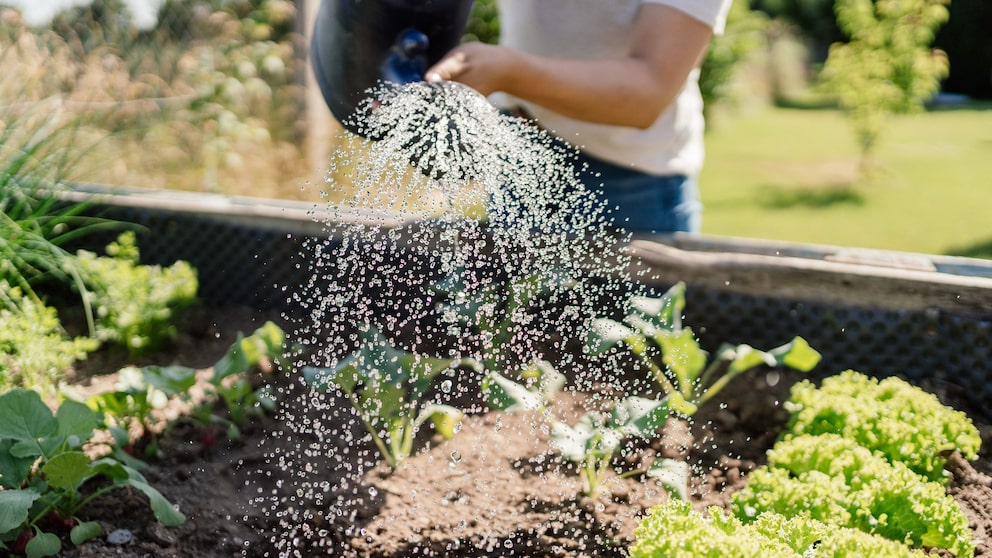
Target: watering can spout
(358, 45)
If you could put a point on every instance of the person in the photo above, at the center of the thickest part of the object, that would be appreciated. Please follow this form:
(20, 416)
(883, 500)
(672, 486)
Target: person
(618, 80)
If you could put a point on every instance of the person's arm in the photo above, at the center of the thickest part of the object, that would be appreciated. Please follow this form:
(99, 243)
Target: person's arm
(632, 91)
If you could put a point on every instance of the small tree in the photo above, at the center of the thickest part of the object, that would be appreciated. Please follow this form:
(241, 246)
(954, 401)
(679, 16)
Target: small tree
(888, 66)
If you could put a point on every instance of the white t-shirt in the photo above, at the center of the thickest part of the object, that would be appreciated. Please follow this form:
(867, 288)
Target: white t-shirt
(602, 29)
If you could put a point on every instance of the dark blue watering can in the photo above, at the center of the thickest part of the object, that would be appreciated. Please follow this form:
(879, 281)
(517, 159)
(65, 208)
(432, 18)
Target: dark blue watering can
(358, 44)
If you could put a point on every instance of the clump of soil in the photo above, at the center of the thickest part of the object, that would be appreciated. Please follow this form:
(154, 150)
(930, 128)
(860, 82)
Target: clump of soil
(496, 489)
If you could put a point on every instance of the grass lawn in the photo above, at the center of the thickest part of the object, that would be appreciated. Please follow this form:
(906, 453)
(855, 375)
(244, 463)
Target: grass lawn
(792, 174)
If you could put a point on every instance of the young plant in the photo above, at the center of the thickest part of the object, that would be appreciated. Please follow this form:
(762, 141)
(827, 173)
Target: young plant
(387, 387)
(890, 416)
(43, 471)
(241, 398)
(593, 441)
(495, 313)
(140, 392)
(136, 305)
(653, 333)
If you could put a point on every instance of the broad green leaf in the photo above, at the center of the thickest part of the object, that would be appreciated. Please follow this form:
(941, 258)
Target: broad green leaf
(13, 470)
(571, 442)
(26, 419)
(173, 380)
(85, 531)
(14, 508)
(797, 355)
(503, 394)
(43, 544)
(605, 333)
(343, 375)
(445, 419)
(639, 416)
(665, 311)
(234, 360)
(68, 470)
(164, 512)
(76, 422)
(682, 355)
(588, 436)
(673, 475)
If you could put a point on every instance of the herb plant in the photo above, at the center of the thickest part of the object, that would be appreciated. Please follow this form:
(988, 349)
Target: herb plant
(34, 348)
(675, 530)
(44, 473)
(891, 416)
(136, 305)
(387, 387)
(834, 480)
(654, 334)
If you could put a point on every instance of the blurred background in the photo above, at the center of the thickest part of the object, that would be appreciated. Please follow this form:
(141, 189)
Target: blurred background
(850, 122)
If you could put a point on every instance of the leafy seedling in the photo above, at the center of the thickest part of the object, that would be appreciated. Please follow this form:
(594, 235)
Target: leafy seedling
(387, 387)
(654, 334)
(43, 471)
(593, 441)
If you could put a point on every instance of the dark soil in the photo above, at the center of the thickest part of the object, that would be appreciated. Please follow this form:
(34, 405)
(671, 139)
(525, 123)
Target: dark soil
(494, 490)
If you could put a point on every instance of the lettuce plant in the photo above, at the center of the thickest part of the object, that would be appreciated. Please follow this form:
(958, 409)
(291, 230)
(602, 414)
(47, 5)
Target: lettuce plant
(891, 416)
(388, 387)
(654, 334)
(832, 479)
(43, 470)
(675, 530)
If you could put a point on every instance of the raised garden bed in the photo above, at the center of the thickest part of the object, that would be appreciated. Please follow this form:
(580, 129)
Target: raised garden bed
(495, 489)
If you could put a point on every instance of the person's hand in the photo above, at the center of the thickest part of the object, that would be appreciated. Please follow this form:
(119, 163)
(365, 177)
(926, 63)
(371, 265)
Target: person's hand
(483, 67)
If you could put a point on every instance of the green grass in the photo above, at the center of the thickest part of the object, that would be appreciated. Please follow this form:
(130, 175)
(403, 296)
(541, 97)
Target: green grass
(792, 175)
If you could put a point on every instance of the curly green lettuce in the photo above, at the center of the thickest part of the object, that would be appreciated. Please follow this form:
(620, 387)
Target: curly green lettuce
(675, 530)
(836, 481)
(891, 416)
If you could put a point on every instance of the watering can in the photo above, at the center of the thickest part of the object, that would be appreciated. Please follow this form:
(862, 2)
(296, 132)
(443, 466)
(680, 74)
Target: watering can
(359, 44)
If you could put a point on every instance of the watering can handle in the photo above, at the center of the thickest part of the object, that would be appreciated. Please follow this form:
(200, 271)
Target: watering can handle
(407, 60)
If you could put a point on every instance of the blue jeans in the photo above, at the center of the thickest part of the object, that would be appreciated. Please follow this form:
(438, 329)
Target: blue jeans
(643, 203)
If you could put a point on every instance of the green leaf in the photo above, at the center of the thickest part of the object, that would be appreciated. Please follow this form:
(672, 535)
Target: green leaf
(665, 312)
(173, 380)
(589, 436)
(604, 334)
(85, 531)
(743, 358)
(68, 470)
(682, 355)
(503, 394)
(26, 419)
(165, 512)
(43, 544)
(343, 375)
(76, 422)
(445, 419)
(673, 474)
(639, 416)
(14, 508)
(797, 355)
(14, 470)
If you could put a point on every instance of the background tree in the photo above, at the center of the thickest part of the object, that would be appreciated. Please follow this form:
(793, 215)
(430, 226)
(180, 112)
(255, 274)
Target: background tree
(888, 66)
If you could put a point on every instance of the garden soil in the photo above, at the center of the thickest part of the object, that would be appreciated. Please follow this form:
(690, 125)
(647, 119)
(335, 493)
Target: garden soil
(496, 489)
